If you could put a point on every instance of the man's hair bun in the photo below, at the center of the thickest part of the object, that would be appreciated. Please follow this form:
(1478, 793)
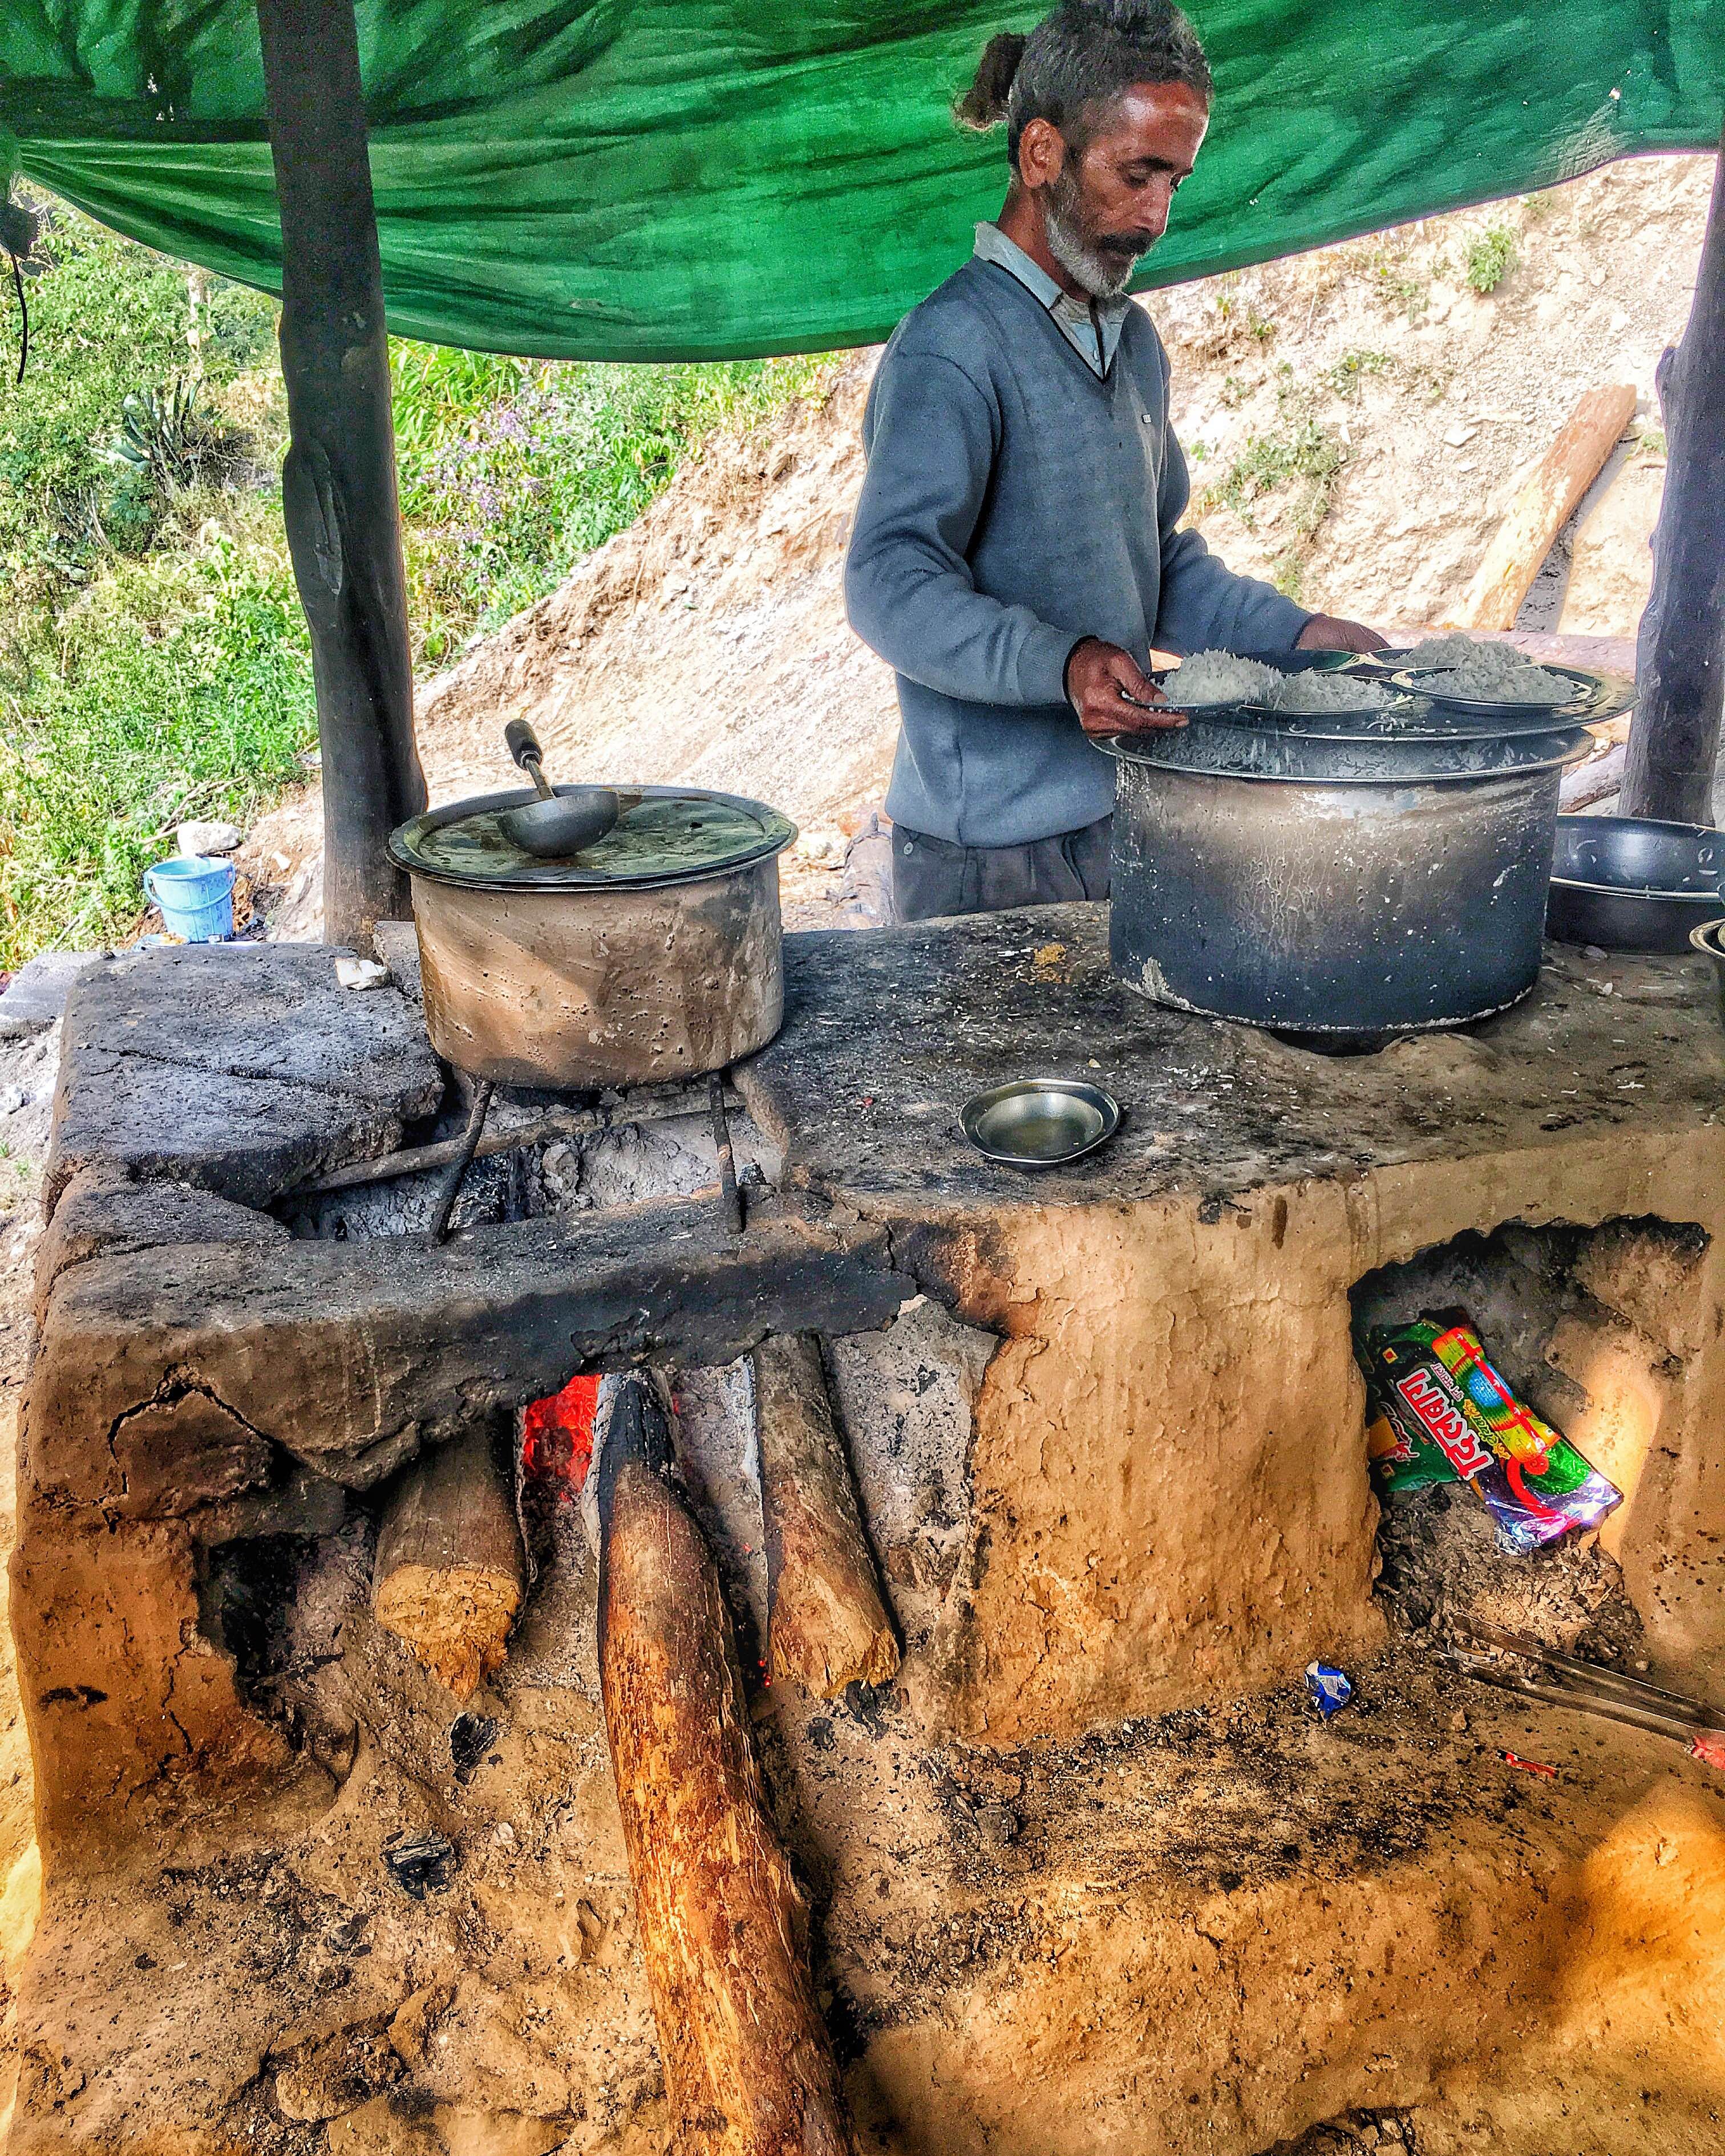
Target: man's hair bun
(983, 104)
(1077, 60)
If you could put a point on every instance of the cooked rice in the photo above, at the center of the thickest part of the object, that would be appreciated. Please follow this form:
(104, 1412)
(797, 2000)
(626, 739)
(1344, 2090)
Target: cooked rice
(1217, 677)
(1487, 670)
(1315, 691)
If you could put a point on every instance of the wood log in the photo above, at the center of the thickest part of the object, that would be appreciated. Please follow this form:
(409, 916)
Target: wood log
(1597, 780)
(450, 1572)
(828, 1625)
(338, 483)
(747, 2066)
(1679, 655)
(1544, 505)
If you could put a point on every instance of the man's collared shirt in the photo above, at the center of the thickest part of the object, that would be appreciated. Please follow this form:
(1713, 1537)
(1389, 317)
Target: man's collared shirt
(1091, 327)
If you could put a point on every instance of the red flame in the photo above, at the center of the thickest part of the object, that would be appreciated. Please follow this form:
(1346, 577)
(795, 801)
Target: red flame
(556, 1435)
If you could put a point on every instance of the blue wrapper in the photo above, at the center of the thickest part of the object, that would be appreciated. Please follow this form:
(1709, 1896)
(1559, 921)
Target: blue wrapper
(1330, 1689)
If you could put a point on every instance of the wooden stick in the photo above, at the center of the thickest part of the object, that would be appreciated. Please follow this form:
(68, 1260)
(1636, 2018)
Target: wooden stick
(338, 488)
(747, 2066)
(449, 1190)
(730, 1197)
(1545, 504)
(449, 1573)
(1679, 655)
(827, 1622)
(554, 1123)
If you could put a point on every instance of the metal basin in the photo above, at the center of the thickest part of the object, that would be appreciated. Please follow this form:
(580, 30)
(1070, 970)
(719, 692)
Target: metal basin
(1351, 889)
(1040, 1122)
(1632, 883)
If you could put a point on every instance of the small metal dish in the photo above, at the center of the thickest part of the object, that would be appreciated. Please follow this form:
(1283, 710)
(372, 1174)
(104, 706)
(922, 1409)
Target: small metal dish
(1705, 939)
(1040, 1122)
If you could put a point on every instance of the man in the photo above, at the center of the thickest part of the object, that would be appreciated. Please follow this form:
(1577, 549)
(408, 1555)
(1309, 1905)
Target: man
(1015, 554)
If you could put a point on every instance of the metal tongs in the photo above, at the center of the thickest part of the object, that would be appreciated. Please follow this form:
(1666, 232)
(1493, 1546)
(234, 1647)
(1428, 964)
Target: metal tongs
(1593, 1690)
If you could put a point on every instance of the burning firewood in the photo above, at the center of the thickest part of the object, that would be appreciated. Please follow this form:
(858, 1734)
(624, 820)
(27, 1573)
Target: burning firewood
(747, 2066)
(827, 1623)
(450, 1572)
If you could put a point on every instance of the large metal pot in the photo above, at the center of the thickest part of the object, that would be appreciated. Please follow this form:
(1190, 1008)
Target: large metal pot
(653, 955)
(1352, 886)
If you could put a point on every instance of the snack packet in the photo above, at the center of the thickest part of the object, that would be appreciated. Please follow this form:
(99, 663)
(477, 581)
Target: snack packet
(1440, 1410)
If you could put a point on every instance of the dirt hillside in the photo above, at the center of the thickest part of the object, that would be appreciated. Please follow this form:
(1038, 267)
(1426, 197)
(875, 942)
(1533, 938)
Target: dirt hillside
(1357, 419)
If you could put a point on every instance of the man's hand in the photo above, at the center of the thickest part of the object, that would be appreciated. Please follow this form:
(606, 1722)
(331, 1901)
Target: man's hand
(1100, 679)
(1328, 632)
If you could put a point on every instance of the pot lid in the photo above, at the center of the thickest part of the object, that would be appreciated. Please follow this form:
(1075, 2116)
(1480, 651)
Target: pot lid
(663, 834)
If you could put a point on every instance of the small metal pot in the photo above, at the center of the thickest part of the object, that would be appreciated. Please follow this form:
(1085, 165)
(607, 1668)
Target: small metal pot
(1342, 888)
(576, 976)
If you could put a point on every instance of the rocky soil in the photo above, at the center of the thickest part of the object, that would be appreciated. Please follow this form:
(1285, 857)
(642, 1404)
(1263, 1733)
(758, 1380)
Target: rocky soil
(1356, 420)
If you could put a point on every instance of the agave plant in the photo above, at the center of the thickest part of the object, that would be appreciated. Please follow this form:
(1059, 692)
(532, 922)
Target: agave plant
(165, 433)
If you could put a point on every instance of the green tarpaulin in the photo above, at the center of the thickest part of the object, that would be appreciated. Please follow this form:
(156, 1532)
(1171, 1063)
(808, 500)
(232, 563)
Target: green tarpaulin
(655, 179)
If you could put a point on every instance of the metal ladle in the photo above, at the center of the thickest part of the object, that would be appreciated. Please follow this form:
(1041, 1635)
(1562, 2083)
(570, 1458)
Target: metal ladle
(558, 824)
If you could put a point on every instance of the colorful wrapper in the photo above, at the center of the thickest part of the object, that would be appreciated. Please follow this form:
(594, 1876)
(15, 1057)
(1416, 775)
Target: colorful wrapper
(1440, 1412)
(1330, 1689)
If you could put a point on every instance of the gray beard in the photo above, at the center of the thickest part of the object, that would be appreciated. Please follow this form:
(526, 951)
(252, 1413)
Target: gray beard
(1101, 275)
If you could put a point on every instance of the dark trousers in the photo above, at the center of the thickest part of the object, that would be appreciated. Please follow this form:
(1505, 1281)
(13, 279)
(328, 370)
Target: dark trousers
(931, 876)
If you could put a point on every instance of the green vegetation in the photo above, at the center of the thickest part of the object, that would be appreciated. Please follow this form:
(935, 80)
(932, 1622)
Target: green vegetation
(153, 658)
(1491, 257)
(1307, 451)
(511, 470)
(1301, 453)
(1392, 279)
(1348, 371)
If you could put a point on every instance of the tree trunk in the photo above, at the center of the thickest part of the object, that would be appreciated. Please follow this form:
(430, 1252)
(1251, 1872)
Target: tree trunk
(828, 1625)
(450, 1572)
(1680, 654)
(747, 2066)
(338, 483)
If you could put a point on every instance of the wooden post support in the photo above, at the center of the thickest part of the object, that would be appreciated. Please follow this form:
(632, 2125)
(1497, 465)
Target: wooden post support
(1680, 653)
(338, 483)
(1544, 505)
(747, 2066)
(450, 1572)
(827, 1622)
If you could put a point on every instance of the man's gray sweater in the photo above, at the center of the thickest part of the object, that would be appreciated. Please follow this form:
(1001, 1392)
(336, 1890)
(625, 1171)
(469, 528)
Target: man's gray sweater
(1015, 504)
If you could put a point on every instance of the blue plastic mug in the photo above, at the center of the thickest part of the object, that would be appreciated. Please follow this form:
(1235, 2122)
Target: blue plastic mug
(196, 896)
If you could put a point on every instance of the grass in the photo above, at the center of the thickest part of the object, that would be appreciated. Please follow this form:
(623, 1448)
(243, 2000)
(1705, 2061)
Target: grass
(180, 686)
(1491, 257)
(154, 661)
(511, 470)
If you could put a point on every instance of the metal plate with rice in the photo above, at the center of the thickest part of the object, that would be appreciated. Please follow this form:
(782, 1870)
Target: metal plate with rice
(1594, 698)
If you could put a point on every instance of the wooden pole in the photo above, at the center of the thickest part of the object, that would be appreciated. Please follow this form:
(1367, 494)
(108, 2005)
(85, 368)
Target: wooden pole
(827, 1623)
(338, 483)
(1680, 653)
(450, 1572)
(1544, 505)
(747, 2068)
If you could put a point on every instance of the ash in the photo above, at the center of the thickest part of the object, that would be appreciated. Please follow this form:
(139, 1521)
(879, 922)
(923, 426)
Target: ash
(1441, 1562)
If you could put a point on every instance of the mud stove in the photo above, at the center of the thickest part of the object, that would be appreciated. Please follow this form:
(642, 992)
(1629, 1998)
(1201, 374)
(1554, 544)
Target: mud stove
(1086, 1874)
